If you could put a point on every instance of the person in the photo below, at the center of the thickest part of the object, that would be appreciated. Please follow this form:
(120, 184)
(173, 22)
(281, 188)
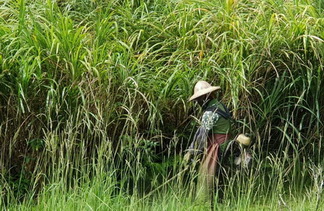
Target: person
(213, 131)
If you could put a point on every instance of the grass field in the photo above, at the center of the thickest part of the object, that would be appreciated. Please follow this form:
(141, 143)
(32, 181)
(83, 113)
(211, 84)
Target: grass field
(94, 110)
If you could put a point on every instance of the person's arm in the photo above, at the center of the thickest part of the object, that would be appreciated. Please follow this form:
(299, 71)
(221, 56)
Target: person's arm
(199, 142)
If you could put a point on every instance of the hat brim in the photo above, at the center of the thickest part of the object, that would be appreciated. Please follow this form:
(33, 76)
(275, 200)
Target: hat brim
(204, 91)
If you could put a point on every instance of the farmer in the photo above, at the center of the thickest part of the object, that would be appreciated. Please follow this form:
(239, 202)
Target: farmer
(213, 132)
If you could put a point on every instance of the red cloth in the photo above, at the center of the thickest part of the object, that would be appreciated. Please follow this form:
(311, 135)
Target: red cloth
(210, 159)
(207, 169)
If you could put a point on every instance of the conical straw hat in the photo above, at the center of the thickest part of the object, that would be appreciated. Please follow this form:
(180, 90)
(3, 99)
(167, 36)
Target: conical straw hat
(202, 88)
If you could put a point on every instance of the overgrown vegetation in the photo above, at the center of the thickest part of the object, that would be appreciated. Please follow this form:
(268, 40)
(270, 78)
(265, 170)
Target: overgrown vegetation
(94, 101)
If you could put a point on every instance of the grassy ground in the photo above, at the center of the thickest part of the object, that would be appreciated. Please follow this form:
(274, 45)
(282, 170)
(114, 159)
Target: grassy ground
(94, 88)
(98, 196)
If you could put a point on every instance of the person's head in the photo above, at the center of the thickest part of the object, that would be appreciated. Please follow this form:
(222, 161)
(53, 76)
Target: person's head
(202, 100)
(203, 92)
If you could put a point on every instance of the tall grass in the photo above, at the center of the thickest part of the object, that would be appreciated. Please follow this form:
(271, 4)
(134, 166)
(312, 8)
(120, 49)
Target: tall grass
(94, 111)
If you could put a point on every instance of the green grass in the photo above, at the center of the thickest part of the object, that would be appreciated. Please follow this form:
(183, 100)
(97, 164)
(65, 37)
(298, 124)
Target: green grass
(101, 194)
(94, 110)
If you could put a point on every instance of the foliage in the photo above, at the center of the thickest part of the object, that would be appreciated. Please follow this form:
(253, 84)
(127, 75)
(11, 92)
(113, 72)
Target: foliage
(89, 87)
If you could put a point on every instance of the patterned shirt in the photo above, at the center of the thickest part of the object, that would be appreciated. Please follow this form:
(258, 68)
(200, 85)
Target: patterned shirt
(213, 121)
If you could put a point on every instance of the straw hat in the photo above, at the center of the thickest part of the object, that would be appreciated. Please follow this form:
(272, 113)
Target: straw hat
(202, 88)
(243, 139)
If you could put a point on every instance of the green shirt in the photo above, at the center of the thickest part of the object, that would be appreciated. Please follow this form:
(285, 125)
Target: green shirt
(213, 121)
